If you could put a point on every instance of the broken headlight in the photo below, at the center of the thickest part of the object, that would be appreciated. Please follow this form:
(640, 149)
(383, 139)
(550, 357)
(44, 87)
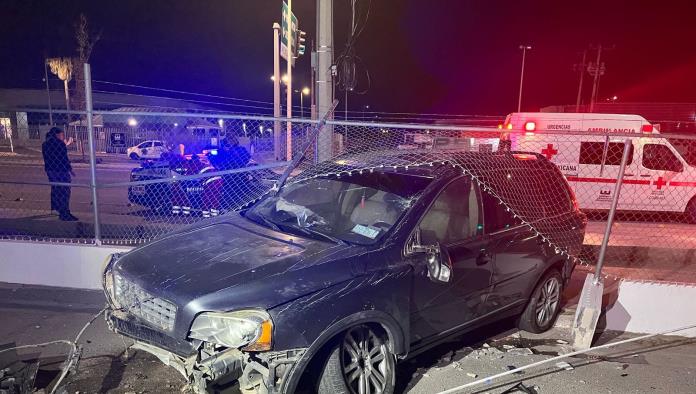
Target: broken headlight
(252, 329)
(108, 276)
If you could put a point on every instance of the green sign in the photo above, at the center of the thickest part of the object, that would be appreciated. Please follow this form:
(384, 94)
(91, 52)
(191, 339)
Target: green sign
(284, 34)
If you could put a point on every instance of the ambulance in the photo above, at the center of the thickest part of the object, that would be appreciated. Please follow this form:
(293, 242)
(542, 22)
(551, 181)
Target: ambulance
(588, 152)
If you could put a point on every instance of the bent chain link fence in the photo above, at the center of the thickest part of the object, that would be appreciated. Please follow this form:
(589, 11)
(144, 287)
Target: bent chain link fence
(159, 171)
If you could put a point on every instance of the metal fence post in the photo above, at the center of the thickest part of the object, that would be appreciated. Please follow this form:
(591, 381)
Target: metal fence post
(92, 158)
(612, 210)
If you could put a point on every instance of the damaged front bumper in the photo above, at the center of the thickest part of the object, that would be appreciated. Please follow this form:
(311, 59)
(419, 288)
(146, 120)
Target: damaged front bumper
(202, 366)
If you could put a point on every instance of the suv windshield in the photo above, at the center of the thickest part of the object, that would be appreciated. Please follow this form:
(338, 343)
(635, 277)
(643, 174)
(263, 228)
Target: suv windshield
(353, 209)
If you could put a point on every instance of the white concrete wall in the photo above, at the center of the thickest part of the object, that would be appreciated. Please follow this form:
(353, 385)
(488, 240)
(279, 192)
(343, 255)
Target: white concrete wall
(63, 265)
(646, 307)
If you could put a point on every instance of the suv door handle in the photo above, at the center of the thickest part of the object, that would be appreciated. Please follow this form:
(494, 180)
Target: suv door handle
(483, 258)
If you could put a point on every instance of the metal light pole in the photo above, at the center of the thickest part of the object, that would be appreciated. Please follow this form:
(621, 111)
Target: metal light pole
(524, 49)
(288, 96)
(276, 90)
(303, 92)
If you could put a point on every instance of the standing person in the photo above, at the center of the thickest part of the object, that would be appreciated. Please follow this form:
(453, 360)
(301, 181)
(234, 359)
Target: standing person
(58, 169)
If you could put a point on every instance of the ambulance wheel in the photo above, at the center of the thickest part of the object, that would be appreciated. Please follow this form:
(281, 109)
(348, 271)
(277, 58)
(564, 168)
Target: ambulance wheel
(690, 212)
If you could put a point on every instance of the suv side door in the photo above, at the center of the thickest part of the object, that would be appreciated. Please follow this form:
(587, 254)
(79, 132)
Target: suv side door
(453, 221)
(518, 255)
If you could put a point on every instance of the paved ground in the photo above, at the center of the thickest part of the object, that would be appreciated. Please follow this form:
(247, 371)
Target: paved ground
(659, 365)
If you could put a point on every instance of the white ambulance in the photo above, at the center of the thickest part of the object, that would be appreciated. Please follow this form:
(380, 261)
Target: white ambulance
(657, 178)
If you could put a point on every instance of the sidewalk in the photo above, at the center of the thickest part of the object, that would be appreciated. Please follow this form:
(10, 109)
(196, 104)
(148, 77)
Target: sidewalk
(658, 365)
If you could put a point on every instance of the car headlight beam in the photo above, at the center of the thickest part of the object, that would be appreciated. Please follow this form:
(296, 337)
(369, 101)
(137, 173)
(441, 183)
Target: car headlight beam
(251, 329)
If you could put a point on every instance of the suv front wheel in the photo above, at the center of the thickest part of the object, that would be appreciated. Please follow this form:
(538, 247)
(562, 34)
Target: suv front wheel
(360, 362)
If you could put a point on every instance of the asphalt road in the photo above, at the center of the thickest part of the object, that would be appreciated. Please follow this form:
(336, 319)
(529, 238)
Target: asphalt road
(660, 365)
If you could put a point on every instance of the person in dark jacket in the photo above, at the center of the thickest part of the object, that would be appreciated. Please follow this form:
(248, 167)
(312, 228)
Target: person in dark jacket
(58, 169)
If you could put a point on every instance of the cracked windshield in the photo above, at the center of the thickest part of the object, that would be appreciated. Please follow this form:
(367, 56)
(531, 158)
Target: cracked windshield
(356, 209)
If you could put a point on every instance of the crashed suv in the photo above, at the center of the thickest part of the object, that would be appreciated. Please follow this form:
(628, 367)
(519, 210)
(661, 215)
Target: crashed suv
(331, 281)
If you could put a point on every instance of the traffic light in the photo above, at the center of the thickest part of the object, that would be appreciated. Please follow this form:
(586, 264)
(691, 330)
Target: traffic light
(302, 37)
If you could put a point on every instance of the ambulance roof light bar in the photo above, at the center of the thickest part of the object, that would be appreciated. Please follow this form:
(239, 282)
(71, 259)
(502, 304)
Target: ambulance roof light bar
(646, 128)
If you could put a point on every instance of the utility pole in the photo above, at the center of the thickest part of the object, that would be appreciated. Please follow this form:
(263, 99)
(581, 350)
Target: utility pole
(288, 96)
(595, 83)
(324, 81)
(524, 49)
(48, 93)
(276, 91)
(580, 68)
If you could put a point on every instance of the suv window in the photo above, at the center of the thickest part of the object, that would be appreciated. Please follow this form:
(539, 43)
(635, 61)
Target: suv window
(453, 216)
(661, 158)
(496, 216)
(592, 153)
(145, 144)
(157, 143)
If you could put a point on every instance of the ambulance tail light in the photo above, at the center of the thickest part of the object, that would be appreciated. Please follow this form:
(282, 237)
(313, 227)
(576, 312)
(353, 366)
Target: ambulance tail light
(646, 128)
(529, 128)
(508, 126)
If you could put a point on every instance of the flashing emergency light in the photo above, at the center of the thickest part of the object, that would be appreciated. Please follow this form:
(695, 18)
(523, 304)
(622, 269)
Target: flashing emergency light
(509, 126)
(646, 128)
(529, 126)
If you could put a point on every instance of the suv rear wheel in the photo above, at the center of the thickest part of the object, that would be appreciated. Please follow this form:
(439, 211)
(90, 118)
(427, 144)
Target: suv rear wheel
(544, 305)
(360, 362)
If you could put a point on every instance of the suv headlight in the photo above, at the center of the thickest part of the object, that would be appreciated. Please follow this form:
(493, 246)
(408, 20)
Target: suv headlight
(252, 329)
(108, 277)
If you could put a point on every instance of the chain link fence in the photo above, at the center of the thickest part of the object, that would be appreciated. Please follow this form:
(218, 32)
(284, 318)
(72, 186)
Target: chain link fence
(156, 172)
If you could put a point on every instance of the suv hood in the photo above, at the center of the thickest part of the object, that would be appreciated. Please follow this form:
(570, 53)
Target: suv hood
(228, 253)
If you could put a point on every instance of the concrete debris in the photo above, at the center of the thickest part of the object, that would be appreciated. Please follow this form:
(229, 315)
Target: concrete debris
(486, 345)
(508, 347)
(564, 365)
(511, 367)
(561, 342)
(521, 351)
(472, 375)
(425, 375)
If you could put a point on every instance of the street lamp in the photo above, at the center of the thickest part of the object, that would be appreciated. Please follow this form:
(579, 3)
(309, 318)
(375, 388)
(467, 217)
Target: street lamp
(304, 92)
(524, 49)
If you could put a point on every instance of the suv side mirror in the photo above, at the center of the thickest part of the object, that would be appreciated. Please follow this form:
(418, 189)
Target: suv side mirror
(437, 259)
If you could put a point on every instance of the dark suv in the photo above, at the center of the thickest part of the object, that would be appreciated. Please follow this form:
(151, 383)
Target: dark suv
(344, 275)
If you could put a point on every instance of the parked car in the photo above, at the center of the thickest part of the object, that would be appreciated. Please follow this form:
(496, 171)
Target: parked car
(147, 150)
(347, 275)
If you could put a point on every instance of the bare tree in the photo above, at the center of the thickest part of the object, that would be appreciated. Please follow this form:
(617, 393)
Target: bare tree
(85, 45)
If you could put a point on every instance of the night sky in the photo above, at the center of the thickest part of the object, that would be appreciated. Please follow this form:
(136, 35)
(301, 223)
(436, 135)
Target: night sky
(457, 57)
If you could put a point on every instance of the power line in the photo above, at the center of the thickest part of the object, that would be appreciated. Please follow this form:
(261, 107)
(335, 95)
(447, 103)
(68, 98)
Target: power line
(183, 92)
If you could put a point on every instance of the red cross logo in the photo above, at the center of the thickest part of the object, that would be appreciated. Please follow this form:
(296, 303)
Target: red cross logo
(549, 152)
(659, 183)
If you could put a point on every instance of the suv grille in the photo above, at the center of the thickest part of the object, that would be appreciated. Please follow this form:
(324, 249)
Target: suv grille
(131, 298)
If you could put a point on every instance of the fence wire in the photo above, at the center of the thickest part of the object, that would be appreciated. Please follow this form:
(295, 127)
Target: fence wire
(157, 172)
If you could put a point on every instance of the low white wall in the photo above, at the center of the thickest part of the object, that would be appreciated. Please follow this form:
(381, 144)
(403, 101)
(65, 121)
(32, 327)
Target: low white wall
(48, 264)
(648, 307)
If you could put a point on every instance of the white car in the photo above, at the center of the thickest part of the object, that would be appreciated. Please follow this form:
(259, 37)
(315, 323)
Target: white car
(147, 150)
